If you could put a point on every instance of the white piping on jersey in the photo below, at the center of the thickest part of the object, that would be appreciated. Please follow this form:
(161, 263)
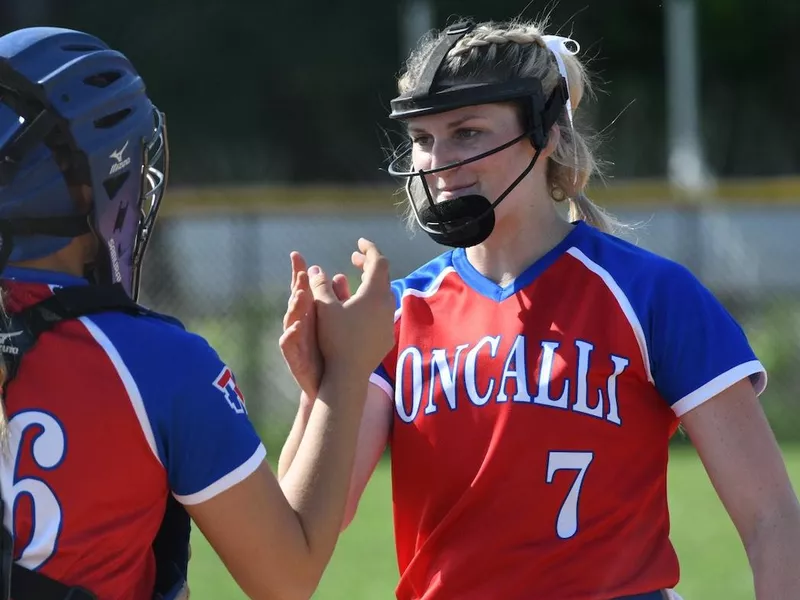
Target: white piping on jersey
(127, 380)
(719, 383)
(225, 482)
(623, 302)
(382, 383)
(426, 293)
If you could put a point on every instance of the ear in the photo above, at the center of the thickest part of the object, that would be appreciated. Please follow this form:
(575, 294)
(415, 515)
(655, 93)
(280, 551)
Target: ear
(552, 141)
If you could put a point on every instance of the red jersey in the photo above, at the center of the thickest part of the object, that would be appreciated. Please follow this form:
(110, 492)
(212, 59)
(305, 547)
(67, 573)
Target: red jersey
(532, 421)
(107, 416)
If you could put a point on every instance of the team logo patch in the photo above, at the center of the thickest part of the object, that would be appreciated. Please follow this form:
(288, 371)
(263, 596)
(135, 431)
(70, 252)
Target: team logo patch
(226, 383)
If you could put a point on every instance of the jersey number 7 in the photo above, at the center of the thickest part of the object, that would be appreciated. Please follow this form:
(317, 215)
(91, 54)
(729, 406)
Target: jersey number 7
(567, 522)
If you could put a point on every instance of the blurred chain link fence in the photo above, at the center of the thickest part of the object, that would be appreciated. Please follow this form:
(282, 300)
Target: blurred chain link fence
(227, 278)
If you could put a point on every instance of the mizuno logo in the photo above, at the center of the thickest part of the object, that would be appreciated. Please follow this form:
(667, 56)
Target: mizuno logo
(120, 162)
(117, 154)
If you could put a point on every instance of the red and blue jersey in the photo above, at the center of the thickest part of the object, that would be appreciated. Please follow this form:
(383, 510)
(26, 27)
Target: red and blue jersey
(107, 416)
(531, 424)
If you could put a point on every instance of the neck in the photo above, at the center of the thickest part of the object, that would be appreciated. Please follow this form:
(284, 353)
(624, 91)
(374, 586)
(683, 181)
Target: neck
(48, 265)
(516, 244)
(70, 259)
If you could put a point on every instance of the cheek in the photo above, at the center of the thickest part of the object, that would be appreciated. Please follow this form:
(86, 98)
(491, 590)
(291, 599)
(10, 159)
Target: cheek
(488, 171)
(505, 167)
(420, 160)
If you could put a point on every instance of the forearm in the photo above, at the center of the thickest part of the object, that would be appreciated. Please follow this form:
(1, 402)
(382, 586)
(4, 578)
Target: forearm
(317, 482)
(292, 443)
(773, 554)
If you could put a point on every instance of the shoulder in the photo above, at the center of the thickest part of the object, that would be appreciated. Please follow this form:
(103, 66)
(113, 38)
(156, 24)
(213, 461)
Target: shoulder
(425, 280)
(634, 271)
(155, 355)
(153, 338)
(692, 345)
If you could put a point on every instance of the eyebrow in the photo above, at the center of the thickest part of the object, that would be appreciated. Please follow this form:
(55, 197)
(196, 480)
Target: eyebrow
(451, 125)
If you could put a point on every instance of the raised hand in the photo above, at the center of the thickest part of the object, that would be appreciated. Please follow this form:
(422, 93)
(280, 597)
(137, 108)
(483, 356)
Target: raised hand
(355, 333)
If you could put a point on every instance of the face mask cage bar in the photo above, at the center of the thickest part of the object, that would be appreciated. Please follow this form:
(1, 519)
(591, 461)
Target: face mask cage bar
(154, 181)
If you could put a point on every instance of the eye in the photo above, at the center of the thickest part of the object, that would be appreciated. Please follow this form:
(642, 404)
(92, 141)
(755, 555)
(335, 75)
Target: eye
(466, 134)
(421, 140)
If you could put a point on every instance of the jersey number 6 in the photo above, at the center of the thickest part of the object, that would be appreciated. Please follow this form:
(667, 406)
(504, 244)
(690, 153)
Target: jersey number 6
(48, 448)
(567, 522)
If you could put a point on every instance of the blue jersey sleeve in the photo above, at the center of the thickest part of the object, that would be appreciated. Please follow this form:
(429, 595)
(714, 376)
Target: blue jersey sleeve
(210, 443)
(189, 406)
(697, 349)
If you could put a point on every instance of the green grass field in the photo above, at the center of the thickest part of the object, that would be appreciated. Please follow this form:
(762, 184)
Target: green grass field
(714, 565)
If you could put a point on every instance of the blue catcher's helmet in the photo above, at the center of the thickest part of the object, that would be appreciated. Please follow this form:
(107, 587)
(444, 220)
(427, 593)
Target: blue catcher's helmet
(82, 149)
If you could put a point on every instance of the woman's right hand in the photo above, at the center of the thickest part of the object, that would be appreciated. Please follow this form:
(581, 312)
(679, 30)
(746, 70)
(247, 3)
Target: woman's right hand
(355, 333)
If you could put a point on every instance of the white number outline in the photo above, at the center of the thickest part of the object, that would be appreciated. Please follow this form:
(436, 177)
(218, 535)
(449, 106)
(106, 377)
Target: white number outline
(559, 460)
(48, 448)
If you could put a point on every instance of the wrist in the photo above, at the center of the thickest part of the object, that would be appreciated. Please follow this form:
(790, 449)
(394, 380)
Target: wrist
(344, 376)
(347, 368)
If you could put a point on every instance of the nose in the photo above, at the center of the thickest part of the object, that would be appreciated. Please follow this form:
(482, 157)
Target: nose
(443, 153)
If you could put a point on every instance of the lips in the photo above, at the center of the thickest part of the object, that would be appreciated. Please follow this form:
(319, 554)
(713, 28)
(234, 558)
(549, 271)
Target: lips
(454, 191)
